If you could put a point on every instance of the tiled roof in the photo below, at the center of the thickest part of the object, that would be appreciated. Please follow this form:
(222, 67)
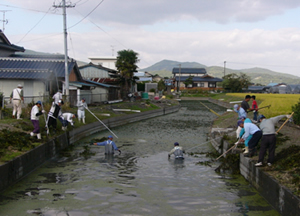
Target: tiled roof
(17, 73)
(189, 70)
(199, 79)
(37, 64)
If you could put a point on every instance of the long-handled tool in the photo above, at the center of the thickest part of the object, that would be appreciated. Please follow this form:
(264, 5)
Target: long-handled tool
(234, 146)
(210, 109)
(45, 119)
(264, 107)
(100, 121)
(285, 122)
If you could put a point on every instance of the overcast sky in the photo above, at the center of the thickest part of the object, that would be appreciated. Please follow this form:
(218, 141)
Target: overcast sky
(244, 33)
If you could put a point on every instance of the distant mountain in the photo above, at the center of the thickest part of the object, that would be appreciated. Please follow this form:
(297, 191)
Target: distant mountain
(258, 75)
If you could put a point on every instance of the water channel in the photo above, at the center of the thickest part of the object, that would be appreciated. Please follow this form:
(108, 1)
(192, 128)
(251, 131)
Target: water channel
(140, 181)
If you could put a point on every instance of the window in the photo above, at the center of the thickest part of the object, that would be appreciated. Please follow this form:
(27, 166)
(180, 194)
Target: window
(212, 85)
(201, 84)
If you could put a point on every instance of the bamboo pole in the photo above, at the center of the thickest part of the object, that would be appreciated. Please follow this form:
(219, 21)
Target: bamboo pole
(285, 122)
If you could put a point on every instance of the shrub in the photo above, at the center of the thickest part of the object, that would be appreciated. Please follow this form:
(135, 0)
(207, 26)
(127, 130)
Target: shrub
(296, 115)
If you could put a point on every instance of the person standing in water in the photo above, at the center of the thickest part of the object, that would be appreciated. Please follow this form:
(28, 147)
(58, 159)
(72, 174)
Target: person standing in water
(110, 146)
(177, 151)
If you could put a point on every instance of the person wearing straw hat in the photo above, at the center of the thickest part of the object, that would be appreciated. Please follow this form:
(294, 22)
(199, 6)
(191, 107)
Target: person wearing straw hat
(16, 97)
(34, 117)
(82, 105)
(268, 140)
(177, 151)
(110, 146)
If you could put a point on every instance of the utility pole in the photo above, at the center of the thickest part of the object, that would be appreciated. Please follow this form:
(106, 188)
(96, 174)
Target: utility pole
(64, 6)
(224, 67)
(179, 78)
(5, 21)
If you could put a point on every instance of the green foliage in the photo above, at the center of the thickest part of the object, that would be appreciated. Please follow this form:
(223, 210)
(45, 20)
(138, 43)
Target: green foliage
(152, 90)
(140, 86)
(127, 64)
(288, 158)
(161, 85)
(189, 81)
(296, 115)
(169, 96)
(234, 83)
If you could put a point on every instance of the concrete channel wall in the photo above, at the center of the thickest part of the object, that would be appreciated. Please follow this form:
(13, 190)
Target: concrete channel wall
(14, 170)
(280, 197)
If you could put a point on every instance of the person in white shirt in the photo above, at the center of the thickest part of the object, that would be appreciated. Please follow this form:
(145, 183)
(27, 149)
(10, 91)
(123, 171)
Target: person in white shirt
(16, 97)
(250, 129)
(34, 117)
(57, 96)
(81, 110)
(67, 118)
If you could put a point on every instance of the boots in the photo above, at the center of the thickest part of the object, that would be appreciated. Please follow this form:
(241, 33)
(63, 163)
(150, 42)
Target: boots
(83, 120)
(246, 150)
(64, 128)
(19, 116)
(32, 134)
(39, 136)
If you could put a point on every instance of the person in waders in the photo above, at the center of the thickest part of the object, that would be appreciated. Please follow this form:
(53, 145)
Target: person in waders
(110, 146)
(177, 151)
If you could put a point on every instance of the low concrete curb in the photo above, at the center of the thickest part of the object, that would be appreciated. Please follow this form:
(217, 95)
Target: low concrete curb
(14, 170)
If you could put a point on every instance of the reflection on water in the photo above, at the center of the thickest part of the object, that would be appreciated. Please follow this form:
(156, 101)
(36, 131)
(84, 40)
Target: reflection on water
(140, 181)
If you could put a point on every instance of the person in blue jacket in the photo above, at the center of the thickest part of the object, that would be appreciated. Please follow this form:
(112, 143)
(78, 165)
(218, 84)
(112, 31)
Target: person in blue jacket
(247, 120)
(110, 146)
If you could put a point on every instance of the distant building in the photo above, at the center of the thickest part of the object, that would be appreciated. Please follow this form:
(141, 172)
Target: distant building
(108, 62)
(200, 78)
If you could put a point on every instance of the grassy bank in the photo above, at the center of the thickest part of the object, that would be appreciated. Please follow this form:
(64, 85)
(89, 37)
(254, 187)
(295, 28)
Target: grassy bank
(15, 136)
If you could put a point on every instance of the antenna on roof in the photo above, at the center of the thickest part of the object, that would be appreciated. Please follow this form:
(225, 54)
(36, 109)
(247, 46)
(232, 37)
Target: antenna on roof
(5, 21)
(112, 49)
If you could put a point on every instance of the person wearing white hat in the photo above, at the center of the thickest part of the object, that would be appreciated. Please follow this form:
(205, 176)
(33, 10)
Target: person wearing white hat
(57, 96)
(81, 110)
(34, 117)
(16, 97)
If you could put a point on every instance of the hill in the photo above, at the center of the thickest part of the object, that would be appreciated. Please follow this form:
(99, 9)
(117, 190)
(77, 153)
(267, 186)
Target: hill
(258, 75)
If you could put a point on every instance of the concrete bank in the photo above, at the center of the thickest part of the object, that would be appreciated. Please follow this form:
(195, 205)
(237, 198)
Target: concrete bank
(280, 197)
(16, 169)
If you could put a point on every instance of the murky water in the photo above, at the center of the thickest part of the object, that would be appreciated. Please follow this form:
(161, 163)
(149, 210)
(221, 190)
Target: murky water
(140, 181)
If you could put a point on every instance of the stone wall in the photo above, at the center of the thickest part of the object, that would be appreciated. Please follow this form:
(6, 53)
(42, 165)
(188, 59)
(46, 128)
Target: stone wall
(18, 168)
(280, 197)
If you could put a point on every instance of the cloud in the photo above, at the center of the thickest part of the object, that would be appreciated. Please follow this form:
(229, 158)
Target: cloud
(277, 50)
(149, 12)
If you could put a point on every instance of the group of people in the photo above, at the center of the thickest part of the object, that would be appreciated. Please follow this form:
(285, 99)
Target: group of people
(16, 98)
(250, 134)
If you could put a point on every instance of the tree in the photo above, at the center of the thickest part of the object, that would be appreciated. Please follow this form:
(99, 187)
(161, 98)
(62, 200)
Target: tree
(234, 83)
(189, 81)
(161, 85)
(126, 65)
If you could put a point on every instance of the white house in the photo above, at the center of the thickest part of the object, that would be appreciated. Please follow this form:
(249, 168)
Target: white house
(108, 62)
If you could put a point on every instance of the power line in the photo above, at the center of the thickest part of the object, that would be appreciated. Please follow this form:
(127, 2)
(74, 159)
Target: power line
(34, 25)
(26, 9)
(86, 15)
(104, 31)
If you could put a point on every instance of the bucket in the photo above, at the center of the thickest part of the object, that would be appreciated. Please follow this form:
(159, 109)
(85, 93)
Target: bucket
(145, 95)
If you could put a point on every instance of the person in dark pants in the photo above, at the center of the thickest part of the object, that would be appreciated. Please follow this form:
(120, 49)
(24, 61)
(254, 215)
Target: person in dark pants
(250, 129)
(245, 104)
(54, 113)
(268, 140)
